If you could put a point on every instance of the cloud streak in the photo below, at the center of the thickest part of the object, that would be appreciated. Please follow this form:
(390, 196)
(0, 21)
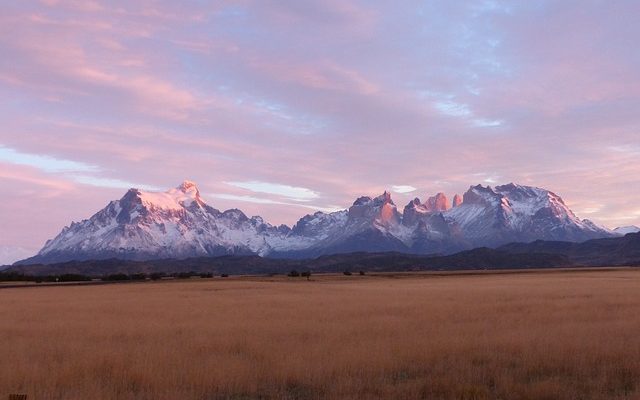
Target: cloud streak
(286, 191)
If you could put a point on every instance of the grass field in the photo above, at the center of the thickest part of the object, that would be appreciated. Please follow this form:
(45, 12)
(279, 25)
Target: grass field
(545, 335)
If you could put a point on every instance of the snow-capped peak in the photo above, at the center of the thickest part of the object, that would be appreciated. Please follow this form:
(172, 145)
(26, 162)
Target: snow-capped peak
(519, 213)
(173, 199)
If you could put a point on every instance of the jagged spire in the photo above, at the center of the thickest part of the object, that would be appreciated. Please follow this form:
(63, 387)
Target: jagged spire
(457, 200)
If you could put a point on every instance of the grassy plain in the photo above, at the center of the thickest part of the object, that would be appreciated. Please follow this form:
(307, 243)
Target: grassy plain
(543, 335)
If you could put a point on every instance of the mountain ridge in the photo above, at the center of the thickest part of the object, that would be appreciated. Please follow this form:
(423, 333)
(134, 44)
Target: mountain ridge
(179, 224)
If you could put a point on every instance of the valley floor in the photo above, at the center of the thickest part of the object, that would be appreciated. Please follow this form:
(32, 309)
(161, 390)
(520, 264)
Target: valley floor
(542, 335)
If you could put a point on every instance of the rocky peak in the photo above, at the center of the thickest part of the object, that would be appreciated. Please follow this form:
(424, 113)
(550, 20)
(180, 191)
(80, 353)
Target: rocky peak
(361, 201)
(188, 194)
(413, 204)
(457, 200)
(480, 195)
(412, 211)
(235, 214)
(187, 186)
(131, 198)
(509, 187)
(518, 192)
(384, 198)
(437, 203)
(380, 209)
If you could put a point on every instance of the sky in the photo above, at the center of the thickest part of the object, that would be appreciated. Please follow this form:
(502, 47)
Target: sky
(282, 108)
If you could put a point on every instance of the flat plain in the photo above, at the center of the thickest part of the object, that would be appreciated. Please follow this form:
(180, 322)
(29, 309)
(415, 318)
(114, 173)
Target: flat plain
(541, 335)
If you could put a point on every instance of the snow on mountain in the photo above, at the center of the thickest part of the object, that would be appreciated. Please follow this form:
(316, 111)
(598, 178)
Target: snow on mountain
(179, 224)
(518, 213)
(623, 230)
(173, 224)
(173, 199)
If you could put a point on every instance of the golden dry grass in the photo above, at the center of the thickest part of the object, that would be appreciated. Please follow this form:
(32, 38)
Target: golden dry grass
(573, 335)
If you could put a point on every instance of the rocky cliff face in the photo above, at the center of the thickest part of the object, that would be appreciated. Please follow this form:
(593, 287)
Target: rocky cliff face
(437, 203)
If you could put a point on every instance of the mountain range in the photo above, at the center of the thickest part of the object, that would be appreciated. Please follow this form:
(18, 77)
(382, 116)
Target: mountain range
(179, 224)
(621, 251)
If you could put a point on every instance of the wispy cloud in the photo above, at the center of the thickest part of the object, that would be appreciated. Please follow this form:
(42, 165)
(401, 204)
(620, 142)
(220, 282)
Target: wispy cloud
(43, 162)
(452, 108)
(73, 170)
(286, 191)
(261, 200)
(112, 183)
(403, 188)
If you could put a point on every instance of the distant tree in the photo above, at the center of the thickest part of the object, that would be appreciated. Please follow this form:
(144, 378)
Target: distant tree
(138, 277)
(347, 273)
(224, 275)
(206, 275)
(293, 273)
(14, 277)
(116, 277)
(156, 275)
(307, 274)
(361, 272)
(73, 278)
